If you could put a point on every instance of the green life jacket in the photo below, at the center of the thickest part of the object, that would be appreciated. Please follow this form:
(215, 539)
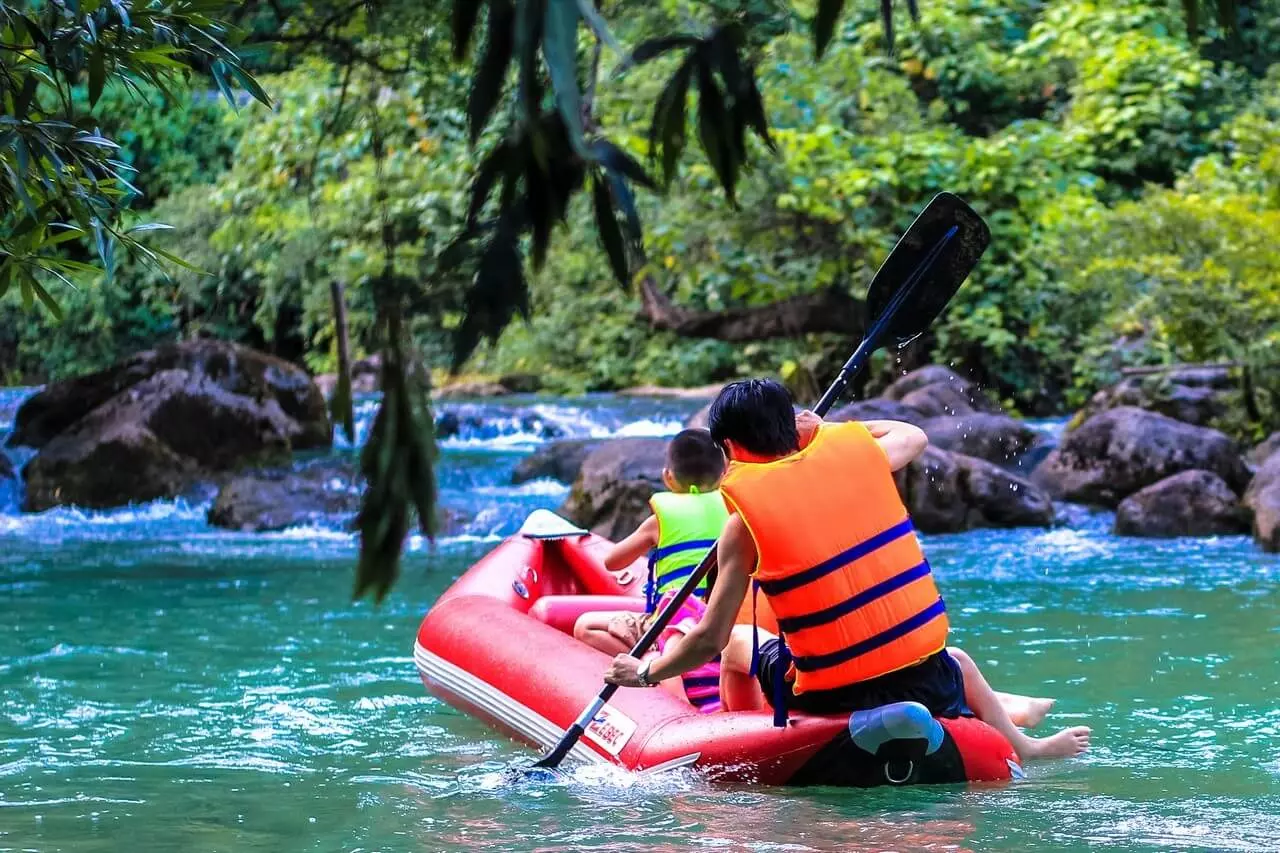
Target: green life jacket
(688, 525)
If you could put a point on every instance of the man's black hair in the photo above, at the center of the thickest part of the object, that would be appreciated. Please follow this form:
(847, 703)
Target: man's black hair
(695, 460)
(758, 415)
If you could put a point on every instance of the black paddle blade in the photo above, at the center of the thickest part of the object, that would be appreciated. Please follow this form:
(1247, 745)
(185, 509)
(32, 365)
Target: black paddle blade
(958, 236)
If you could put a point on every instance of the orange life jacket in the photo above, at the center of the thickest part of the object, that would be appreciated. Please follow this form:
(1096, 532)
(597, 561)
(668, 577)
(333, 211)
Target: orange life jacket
(839, 561)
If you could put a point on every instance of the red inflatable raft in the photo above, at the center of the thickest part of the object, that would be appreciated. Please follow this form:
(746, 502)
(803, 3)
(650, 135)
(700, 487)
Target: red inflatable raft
(498, 644)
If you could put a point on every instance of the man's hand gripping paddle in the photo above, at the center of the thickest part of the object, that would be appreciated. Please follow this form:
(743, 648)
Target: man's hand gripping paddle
(909, 291)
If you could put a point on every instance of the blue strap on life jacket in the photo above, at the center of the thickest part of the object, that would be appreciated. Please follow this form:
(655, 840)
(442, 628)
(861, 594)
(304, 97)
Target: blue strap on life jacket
(855, 602)
(780, 692)
(815, 662)
(651, 585)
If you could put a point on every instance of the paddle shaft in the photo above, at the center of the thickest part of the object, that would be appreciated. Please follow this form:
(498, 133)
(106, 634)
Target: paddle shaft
(856, 362)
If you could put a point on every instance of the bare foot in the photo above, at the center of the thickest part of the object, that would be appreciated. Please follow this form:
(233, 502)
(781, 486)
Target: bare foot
(1067, 743)
(1032, 712)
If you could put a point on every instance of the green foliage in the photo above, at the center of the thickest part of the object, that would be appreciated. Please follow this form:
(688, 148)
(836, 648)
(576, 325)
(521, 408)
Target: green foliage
(61, 180)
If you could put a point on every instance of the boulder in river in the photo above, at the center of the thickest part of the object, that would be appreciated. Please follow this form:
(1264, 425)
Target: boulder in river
(472, 388)
(1001, 439)
(1116, 453)
(148, 429)
(1269, 447)
(558, 460)
(1263, 499)
(1193, 395)
(235, 369)
(1192, 503)
(611, 494)
(877, 409)
(6, 467)
(935, 391)
(949, 492)
(324, 492)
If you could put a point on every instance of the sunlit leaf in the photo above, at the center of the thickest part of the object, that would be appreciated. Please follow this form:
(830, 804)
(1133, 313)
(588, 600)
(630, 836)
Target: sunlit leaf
(560, 47)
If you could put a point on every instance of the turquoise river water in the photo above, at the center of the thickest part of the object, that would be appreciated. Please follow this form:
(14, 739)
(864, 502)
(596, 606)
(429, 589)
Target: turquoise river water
(165, 686)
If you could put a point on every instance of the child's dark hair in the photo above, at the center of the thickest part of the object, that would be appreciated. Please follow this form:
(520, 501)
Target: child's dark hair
(695, 460)
(757, 414)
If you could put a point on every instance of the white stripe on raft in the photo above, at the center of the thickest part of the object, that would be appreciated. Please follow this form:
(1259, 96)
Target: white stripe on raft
(531, 725)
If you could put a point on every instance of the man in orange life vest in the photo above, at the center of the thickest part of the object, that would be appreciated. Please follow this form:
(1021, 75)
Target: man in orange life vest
(818, 525)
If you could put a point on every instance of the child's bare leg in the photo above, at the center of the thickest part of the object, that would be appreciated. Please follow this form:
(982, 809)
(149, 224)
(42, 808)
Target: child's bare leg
(986, 705)
(592, 628)
(739, 691)
(1026, 711)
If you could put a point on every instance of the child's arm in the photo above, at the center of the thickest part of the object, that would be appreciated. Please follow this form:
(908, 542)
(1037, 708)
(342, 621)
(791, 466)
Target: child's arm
(634, 546)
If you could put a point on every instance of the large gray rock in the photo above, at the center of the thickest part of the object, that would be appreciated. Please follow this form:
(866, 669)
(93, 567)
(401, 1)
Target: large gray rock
(1263, 500)
(1193, 503)
(949, 492)
(1120, 451)
(324, 492)
(559, 460)
(274, 500)
(995, 438)
(877, 409)
(1191, 395)
(1269, 447)
(937, 391)
(699, 419)
(612, 491)
(158, 434)
(472, 389)
(230, 367)
(930, 374)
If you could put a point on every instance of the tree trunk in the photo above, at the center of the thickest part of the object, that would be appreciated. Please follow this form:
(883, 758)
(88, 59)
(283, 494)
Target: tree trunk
(827, 310)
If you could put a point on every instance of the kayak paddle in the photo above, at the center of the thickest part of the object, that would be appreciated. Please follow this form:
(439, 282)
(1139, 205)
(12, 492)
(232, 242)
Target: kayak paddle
(931, 261)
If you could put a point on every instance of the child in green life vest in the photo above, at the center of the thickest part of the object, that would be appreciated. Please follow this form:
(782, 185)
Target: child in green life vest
(685, 524)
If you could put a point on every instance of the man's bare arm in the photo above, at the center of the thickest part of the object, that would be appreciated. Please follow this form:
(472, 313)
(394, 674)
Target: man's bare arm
(736, 556)
(901, 442)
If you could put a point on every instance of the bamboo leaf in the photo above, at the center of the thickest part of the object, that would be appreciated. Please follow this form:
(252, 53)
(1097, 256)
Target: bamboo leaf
(48, 301)
(616, 160)
(886, 18)
(752, 109)
(714, 132)
(251, 85)
(465, 13)
(655, 47)
(666, 132)
(626, 202)
(97, 74)
(598, 26)
(824, 24)
(607, 226)
(528, 35)
(491, 73)
(560, 49)
(220, 78)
